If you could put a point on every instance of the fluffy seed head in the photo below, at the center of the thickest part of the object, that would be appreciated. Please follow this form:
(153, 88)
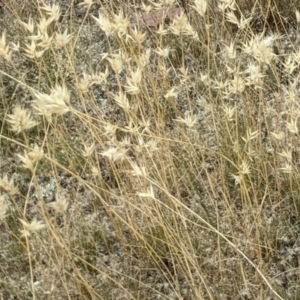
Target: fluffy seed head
(122, 100)
(35, 154)
(55, 103)
(116, 63)
(32, 52)
(31, 227)
(104, 24)
(260, 48)
(86, 3)
(8, 185)
(88, 150)
(297, 16)
(27, 162)
(292, 125)
(53, 11)
(62, 39)
(114, 154)
(120, 24)
(3, 207)
(20, 120)
(200, 6)
(5, 52)
(28, 26)
(60, 204)
(189, 120)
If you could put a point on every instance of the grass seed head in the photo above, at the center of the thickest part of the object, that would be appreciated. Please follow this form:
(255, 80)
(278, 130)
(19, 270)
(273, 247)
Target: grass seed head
(226, 4)
(133, 82)
(114, 154)
(105, 24)
(200, 6)
(28, 26)
(189, 120)
(55, 103)
(139, 171)
(27, 162)
(230, 50)
(88, 150)
(8, 186)
(5, 52)
(3, 207)
(179, 24)
(36, 154)
(243, 169)
(147, 8)
(95, 171)
(161, 30)
(231, 17)
(168, 3)
(287, 168)
(53, 11)
(32, 52)
(29, 228)
(62, 39)
(229, 113)
(20, 120)
(260, 48)
(287, 154)
(297, 13)
(60, 204)
(278, 135)
(163, 52)
(236, 85)
(254, 75)
(121, 24)
(290, 64)
(122, 100)
(43, 25)
(86, 3)
(84, 83)
(138, 36)
(45, 41)
(171, 93)
(148, 194)
(116, 63)
(110, 130)
(292, 126)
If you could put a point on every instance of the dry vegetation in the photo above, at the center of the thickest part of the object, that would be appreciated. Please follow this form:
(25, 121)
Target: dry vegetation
(149, 150)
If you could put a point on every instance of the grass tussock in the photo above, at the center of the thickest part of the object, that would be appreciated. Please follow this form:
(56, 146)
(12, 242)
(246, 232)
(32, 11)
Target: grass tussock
(149, 150)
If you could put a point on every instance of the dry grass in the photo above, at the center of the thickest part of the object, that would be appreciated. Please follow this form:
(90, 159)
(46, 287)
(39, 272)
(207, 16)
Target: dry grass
(159, 162)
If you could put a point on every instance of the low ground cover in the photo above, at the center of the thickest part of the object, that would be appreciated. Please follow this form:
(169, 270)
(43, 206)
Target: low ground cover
(149, 150)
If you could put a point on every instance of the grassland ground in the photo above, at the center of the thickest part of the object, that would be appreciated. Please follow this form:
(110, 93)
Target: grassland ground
(149, 150)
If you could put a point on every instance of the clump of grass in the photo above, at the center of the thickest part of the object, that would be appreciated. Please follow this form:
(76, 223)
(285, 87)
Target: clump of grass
(150, 161)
